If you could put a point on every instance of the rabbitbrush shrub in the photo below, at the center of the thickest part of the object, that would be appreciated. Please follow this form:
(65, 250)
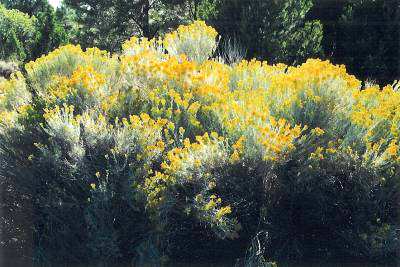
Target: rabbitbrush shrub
(157, 155)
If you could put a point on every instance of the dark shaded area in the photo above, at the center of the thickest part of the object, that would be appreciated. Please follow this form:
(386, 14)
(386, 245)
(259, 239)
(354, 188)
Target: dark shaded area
(363, 35)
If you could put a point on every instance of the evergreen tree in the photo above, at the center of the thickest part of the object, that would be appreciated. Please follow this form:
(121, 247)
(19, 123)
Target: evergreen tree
(30, 7)
(363, 35)
(68, 20)
(274, 30)
(108, 23)
(52, 34)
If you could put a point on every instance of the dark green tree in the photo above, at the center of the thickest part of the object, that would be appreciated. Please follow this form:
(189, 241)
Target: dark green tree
(277, 31)
(30, 7)
(108, 23)
(69, 22)
(52, 34)
(363, 35)
(195, 9)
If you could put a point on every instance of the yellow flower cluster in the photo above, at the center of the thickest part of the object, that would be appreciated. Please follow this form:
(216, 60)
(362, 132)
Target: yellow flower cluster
(278, 138)
(151, 136)
(14, 99)
(311, 85)
(211, 210)
(142, 46)
(88, 78)
(254, 74)
(52, 57)
(155, 187)
(377, 113)
(196, 30)
(222, 212)
(182, 162)
(393, 149)
(207, 150)
(60, 64)
(183, 39)
(238, 149)
(373, 105)
(317, 154)
(213, 205)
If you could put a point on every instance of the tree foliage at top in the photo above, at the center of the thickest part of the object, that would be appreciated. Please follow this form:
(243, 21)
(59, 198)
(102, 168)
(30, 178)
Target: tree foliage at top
(50, 32)
(68, 20)
(30, 7)
(18, 34)
(274, 30)
(363, 35)
(106, 24)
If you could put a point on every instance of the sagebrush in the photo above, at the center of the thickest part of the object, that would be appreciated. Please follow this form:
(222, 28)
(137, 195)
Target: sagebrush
(165, 153)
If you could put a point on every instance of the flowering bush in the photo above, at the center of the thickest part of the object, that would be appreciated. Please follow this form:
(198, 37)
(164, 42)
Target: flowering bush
(197, 41)
(167, 152)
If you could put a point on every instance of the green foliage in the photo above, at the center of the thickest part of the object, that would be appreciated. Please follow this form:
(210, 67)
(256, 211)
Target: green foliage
(364, 35)
(277, 31)
(123, 19)
(52, 34)
(117, 23)
(18, 34)
(196, 9)
(30, 7)
(49, 33)
(67, 19)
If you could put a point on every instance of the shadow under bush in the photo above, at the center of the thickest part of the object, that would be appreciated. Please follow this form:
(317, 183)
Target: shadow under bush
(335, 207)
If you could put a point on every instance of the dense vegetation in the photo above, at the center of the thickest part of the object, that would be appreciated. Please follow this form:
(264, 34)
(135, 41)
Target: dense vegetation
(164, 152)
(30, 29)
(362, 34)
(18, 34)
